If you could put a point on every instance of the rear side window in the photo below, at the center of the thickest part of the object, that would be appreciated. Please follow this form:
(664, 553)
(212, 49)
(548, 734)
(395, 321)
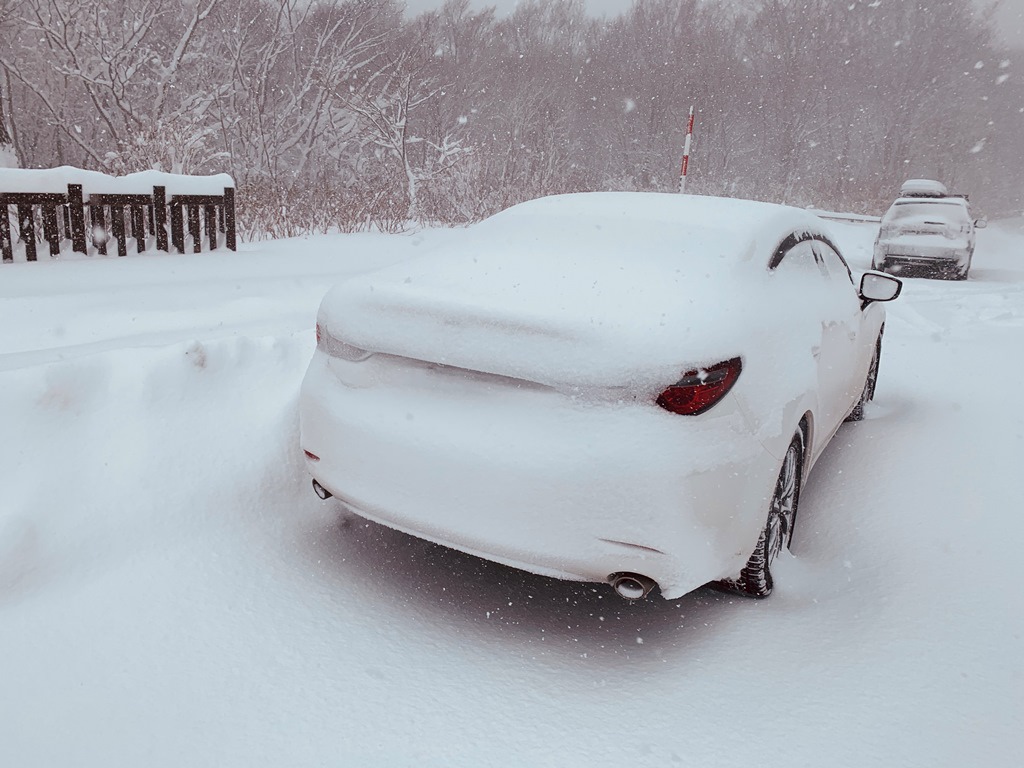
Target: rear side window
(812, 253)
(834, 262)
(794, 250)
(800, 256)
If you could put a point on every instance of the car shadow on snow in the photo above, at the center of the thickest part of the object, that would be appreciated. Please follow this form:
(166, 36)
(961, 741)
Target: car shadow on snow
(467, 593)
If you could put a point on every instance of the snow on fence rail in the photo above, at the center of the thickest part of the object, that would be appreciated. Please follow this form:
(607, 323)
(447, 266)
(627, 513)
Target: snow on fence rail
(49, 207)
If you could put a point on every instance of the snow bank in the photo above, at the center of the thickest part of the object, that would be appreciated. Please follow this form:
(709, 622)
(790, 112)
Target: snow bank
(82, 500)
(171, 592)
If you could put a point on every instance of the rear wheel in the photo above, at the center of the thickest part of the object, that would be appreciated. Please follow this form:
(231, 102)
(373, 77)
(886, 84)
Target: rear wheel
(755, 580)
(952, 272)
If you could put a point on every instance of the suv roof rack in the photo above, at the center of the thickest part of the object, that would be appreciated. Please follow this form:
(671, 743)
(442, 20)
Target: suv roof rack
(923, 188)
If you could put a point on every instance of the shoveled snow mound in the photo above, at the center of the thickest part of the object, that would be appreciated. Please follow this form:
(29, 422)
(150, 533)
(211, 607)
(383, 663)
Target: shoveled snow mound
(171, 592)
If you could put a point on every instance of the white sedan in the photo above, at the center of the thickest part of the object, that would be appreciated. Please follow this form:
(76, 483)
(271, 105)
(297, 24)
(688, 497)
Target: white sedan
(612, 387)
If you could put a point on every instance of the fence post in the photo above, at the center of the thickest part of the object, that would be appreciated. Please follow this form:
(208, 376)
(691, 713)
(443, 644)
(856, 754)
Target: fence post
(177, 226)
(160, 214)
(210, 214)
(76, 209)
(99, 222)
(138, 227)
(193, 228)
(6, 247)
(117, 228)
(51, 233)
(27, 230)
(229, 218)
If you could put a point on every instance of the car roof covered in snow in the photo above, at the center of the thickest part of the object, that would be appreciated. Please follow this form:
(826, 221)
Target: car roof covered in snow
(713, 230)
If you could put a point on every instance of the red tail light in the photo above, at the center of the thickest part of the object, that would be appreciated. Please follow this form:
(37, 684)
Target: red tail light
(318, 334)
(700, 389)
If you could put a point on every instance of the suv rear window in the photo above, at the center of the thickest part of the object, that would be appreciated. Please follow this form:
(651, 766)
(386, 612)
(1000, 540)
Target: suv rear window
(946, 209)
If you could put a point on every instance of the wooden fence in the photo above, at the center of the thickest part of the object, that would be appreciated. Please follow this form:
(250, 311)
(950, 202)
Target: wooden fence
(46, 218)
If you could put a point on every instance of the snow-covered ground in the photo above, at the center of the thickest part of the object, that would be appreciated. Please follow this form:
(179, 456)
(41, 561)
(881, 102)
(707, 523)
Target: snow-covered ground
(173, 594)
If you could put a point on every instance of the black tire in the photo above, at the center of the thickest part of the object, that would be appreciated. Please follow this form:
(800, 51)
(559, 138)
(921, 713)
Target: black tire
(868, 393)
(755, 580)
(952, 273)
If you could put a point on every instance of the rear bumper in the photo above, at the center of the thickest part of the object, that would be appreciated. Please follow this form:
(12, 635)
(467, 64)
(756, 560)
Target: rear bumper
(930, 252)
(529, 477)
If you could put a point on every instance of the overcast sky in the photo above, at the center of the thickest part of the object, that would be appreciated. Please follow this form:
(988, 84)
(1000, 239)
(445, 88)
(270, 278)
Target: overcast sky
(1010, 16)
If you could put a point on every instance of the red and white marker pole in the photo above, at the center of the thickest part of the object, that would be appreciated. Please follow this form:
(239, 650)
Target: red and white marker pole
(686, 154)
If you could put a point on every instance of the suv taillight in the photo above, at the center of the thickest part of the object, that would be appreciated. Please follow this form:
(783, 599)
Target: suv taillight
(698, 390)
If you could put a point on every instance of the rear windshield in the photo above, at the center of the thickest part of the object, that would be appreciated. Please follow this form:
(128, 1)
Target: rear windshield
(946, 210)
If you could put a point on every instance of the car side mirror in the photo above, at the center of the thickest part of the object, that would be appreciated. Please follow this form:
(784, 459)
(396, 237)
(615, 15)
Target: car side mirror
(878, 286)
(980, 223)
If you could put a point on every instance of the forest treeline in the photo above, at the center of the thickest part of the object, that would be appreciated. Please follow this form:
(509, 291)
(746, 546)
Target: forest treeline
(347, 114)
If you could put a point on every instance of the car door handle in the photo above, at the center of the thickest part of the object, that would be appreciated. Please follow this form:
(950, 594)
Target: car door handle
(816, 351)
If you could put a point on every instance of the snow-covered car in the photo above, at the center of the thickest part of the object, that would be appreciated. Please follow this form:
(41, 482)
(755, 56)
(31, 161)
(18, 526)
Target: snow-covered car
(609, 387)
(926, 233)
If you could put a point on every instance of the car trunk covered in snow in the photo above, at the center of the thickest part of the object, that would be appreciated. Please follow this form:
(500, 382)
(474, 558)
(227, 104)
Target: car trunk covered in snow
(578, 299)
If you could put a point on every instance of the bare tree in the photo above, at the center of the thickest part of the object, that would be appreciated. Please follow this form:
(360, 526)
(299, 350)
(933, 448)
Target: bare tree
(8, 153)
(108, 77)
(8, 150)
(389, 115)
(339, 113)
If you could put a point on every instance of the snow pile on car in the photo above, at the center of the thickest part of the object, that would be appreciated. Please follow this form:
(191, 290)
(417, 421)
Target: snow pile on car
(602, 289)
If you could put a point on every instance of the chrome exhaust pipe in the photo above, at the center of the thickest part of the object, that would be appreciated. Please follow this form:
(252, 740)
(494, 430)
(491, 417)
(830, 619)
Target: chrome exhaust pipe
(631, 586)
(320, 491)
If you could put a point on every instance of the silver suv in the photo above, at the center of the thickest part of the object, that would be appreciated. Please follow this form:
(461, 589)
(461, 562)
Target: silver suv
(926, 230)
